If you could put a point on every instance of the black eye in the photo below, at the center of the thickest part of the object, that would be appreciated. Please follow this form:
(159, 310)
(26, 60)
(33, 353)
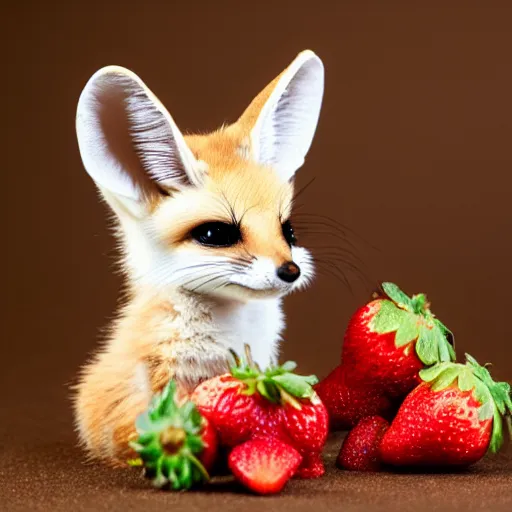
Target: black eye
(217, 234)
(288, 233)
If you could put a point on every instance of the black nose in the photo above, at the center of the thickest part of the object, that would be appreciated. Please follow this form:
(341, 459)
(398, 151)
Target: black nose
(288, 272)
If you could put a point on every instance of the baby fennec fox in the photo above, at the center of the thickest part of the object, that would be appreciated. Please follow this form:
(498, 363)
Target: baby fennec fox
(209, 250)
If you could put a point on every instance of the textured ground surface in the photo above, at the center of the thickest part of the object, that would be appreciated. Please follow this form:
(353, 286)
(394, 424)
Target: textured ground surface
(42, 470)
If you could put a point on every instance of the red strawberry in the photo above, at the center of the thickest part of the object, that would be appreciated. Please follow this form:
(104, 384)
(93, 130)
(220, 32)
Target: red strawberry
(264, 465)
(347, 403)
(452, 419)
(222, 399)
(360, 450)
(250, 404)
(176, 445)
(391, 339)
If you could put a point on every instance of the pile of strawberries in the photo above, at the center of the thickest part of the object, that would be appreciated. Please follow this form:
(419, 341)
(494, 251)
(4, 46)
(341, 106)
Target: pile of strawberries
(406, 400)
(271, 423)
(398, 390)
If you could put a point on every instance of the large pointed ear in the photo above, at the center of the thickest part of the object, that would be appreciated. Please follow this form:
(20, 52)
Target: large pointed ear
(282, 119)
(129, 143)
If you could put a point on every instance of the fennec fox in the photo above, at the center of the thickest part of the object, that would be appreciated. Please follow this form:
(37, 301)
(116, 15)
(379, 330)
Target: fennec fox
(208, 248)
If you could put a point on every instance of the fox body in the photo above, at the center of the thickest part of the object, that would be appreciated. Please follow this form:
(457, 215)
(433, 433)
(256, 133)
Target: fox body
(208, 248)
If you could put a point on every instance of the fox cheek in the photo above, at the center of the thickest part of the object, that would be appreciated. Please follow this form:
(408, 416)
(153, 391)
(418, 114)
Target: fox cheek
(304, 260)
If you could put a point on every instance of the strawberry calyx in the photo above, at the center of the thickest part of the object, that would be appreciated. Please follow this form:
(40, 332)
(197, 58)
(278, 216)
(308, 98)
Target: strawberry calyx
(494, 397)
(169, 442)
(277, 384)
(411, 319)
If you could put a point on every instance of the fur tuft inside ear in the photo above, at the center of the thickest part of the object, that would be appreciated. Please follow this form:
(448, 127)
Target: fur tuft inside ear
(289, 109)
(128, 142)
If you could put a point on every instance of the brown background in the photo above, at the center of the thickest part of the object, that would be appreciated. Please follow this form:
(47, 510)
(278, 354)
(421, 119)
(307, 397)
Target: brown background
(412, 152)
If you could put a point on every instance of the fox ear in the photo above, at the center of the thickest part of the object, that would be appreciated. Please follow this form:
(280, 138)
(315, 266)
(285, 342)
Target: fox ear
(282, 119)
(129, 143)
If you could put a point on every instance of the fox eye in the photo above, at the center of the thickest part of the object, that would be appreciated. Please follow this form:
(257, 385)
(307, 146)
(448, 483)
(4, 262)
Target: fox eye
(288, 233)
(217, 234)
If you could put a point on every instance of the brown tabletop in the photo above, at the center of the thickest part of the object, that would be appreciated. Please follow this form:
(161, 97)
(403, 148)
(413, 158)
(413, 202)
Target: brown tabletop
(42, 470)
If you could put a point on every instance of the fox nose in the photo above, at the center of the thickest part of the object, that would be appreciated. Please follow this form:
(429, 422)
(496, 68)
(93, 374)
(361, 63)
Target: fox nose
(288, 272)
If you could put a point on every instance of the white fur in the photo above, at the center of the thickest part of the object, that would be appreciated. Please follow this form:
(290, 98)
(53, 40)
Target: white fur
(136, 145)
(231, 324)
(127, 138)
(283, 133)
(257, 323)
(245, 307)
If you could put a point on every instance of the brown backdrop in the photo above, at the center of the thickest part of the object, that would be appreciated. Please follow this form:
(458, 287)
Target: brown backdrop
(412, 152)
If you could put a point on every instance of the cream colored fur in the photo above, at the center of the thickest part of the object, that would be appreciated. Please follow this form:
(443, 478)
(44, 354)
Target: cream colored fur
(188, 306)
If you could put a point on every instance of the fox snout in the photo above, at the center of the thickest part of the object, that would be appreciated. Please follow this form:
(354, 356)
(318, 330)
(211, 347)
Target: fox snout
(288, 272)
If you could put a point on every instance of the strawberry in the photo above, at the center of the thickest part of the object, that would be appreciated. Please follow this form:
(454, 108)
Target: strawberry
(347, 403)
(453, 418)
(389, 340)
(250, 404)
(360, 450)
(264, 465)
(176, 444)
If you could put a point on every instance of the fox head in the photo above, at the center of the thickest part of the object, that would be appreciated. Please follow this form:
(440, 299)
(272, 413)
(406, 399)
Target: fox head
(205, 213)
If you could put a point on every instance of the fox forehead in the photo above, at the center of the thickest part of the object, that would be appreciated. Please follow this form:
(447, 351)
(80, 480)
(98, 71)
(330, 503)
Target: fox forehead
(235, 188)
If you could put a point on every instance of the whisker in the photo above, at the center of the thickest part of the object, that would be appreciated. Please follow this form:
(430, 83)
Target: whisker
(356, 271)
(221, 276)
(336, 250)
(303, 188)
(340, 226)
(329, 272)
(302, 231)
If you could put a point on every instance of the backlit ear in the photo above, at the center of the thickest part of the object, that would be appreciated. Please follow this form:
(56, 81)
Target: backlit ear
(282, 119)
(129, 143)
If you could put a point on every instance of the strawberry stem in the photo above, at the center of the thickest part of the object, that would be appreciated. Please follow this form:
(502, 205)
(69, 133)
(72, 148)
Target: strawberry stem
(412, 321)
(277, 384)
(169, 440)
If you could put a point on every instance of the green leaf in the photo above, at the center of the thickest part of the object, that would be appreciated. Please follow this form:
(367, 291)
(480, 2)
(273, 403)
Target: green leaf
(186, 474)
(497, 433)
(486, 411)
(195, 444)
(426, 346)
(450, 338)
(482, 393)
(466, 379)
(169, 464)
(311, 379)
(199, 466)
(268, 389)
(167, 405)
(408, 330)
(429, 374)
(295, 385)
(443, 348)
(397, 295)
(243, 373)
(446, 378)
(418, 303)
(289, 366)
(388, 318)
(508, 421)
(500, 392)
(151, 452)
(143, 423)
(453, 355)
